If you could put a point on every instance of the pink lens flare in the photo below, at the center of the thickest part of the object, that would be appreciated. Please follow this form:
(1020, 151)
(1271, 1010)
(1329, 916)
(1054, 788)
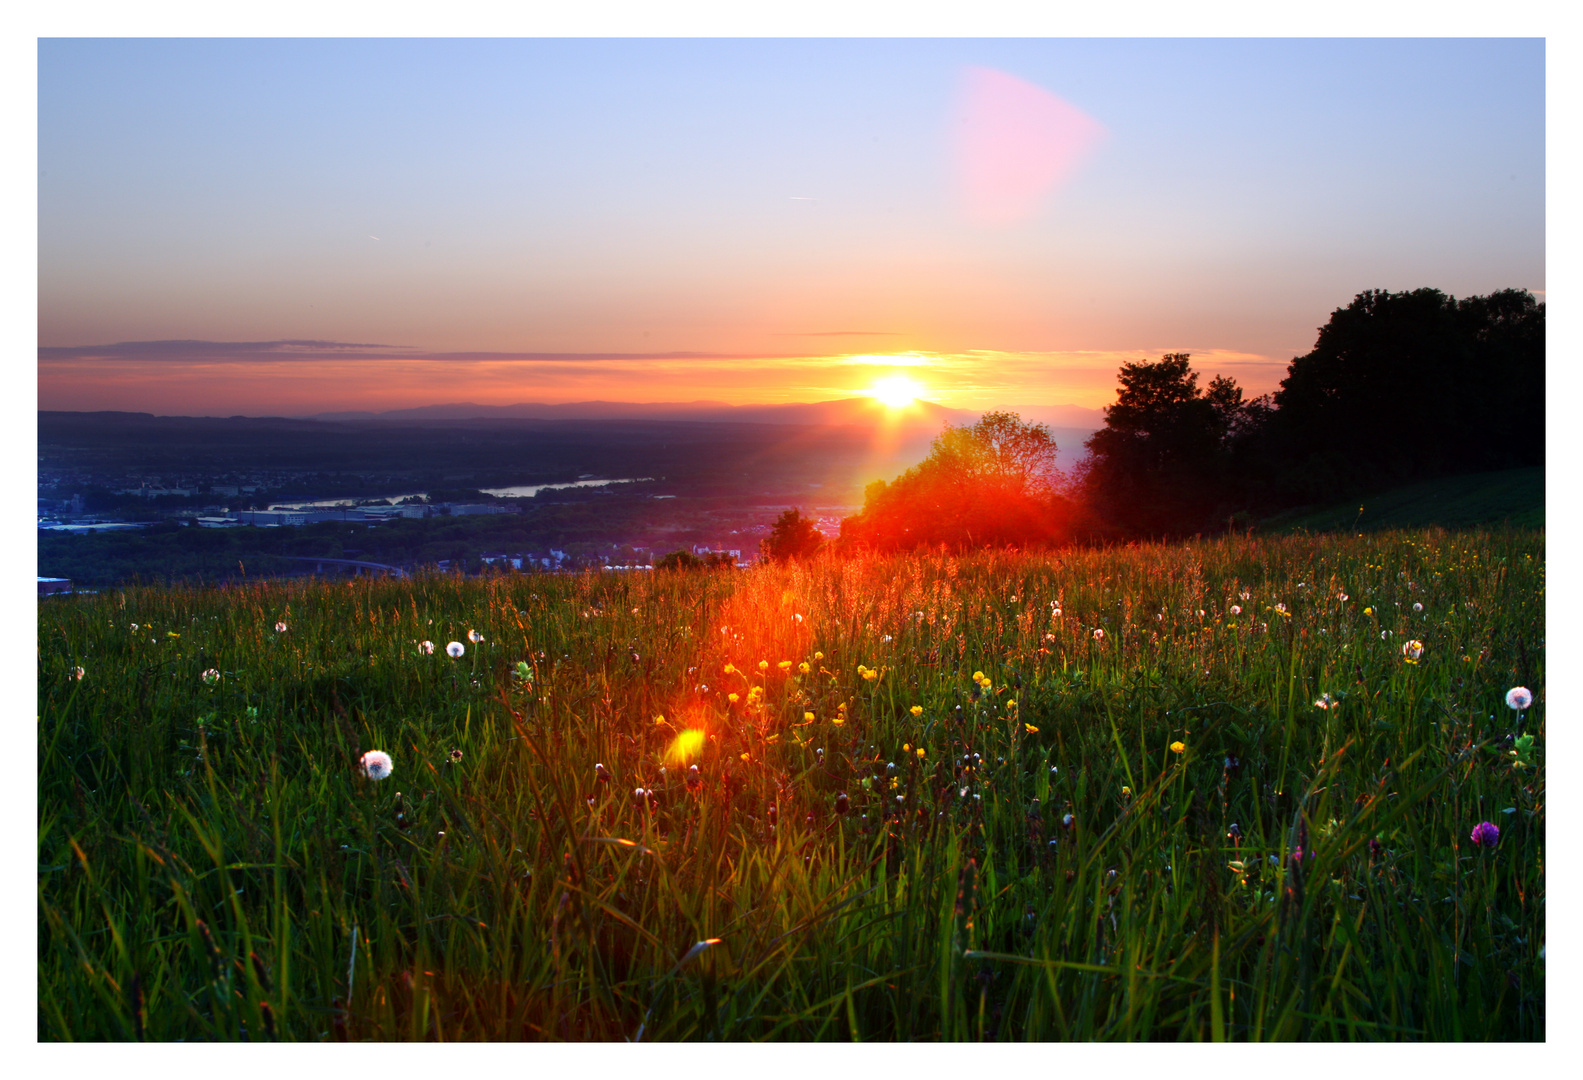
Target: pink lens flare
(1014, 144)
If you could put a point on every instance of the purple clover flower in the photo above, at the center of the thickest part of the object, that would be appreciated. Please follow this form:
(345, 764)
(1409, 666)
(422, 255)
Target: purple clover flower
(1486, 834)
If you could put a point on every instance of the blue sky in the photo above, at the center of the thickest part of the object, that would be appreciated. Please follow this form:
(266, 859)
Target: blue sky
(749, 199)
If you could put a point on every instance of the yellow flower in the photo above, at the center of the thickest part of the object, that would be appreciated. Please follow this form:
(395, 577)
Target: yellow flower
(818, 656)
(1178, 747)
(731, 669)
(1368, 611)
(870, 674)
(744, 755)
(1125, 790)
(660, 719)
(808, 717)
(1031, 729)
(916, 710)
(905, 747)
(1011, 703)
(804, 668)
(784, 665)
(842, 706)
(978, 676)
(920, 751)
(838, 720)
(733, 698)
(764, 665)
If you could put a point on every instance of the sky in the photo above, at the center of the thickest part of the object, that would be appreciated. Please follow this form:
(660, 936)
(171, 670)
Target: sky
(370, 224)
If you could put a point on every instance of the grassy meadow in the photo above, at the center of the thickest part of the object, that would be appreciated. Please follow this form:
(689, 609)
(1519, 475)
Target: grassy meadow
(1184, 792)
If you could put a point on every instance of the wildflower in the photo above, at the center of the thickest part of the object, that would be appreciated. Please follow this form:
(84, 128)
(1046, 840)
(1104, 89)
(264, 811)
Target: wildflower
(841, 803)
(1324, 701)
(376, 764)
(1281, 608)
(920, 752)
(1368, 611)
(456, 757)
(1342, 597)
(77, 673)
(804, 668)
(870, 674)
(426, 647)
(905, 747)
(1055, 613)
(731, 669)
(1126, 791)
(1245, 594)
(211, 676)
(474, 636)
(1418, 607)
(1158, 617)
(733, 698)
(455, 649)
(1412, 650)
(601, 774)
(1066, 821)
(808, 717)
(134, 626)
(818, 656)
(280, 628)
(1236, 609)
(1031, 729)
(797, 617)
(1486, 834)
(784, 665)
(1099, 635)
(744, 755)
(1178, 747)
(1011, 703)
(838, 720)
(764, 665)
(916, 710)
(659, 721)
(1518, 697)
(694, 777)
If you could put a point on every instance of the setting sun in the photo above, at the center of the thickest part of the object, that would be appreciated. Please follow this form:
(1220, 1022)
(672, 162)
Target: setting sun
(896, 391)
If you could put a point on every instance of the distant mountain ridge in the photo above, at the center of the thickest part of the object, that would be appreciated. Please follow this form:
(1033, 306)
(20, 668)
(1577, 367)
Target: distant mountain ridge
(856, 410)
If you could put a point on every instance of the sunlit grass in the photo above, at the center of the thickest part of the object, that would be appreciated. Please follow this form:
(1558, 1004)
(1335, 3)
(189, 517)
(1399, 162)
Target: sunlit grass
(1094, 839)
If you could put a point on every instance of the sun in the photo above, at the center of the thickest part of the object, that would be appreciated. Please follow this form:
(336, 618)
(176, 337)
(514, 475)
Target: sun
(896, 391)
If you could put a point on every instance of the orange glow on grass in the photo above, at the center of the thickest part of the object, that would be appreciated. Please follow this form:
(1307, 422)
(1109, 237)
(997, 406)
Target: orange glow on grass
(896, 391)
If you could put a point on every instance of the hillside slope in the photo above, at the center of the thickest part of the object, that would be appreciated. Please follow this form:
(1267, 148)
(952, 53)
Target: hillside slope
(1509, 496)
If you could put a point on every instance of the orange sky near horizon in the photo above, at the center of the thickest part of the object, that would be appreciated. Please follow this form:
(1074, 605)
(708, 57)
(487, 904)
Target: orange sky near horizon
(296, 387)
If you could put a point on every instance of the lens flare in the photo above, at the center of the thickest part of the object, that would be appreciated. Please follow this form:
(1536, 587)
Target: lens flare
(686, 746)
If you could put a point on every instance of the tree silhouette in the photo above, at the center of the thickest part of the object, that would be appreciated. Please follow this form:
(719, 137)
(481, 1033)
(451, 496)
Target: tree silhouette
(792, 537)
(1165, 461)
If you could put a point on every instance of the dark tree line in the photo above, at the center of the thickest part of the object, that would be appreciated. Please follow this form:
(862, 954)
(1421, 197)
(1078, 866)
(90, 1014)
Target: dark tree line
(1399, 387)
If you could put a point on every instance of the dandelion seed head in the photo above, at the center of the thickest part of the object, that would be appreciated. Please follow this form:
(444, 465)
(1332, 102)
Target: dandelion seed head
(376, 764)
(455, 649)
(474, 636)
(1518, 698)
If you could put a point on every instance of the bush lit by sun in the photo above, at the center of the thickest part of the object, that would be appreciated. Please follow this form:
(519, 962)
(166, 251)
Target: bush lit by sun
(896, 391)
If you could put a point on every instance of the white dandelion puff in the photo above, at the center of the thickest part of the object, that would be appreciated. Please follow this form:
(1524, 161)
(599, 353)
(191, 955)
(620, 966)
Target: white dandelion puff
(474, 636)
(1518, 697)
(1099, 635)
(376, 764)
(1236, 609)
(1342, 597)
(455, 649)
(1418, 607)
